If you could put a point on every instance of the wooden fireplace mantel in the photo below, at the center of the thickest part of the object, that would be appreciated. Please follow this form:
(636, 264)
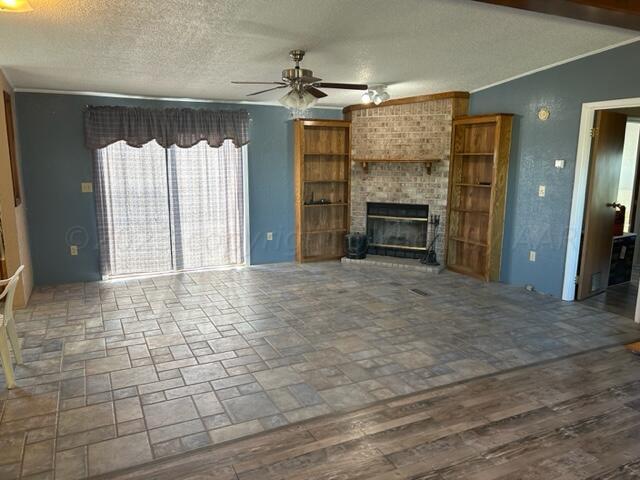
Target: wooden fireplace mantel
(427, 161)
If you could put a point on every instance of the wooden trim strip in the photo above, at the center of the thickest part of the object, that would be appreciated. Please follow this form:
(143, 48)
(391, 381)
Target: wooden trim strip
(485, 117)
(406, 100)
(311, 122)
(11, 142)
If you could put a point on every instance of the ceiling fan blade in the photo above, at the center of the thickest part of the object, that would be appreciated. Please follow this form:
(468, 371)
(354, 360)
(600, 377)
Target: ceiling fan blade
(315, 92)
(267, 90)
(259, 83)
(347, 86)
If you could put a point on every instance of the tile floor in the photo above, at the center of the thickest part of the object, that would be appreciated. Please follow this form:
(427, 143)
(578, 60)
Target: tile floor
(119, 373)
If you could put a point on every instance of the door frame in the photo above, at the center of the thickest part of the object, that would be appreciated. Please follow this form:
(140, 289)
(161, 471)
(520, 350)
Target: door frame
(583, 155)
(245, 191)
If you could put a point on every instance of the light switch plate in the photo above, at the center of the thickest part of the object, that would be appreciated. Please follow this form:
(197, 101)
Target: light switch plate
(87, 187)
(73, 250)
(542, 191)
(269, 235)
(532, 255)
(559, 163)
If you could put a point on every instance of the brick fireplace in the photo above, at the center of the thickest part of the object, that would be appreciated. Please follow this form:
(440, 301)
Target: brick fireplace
(403, 129)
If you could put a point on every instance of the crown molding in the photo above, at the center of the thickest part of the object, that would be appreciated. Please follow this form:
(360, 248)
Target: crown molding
(147, 97)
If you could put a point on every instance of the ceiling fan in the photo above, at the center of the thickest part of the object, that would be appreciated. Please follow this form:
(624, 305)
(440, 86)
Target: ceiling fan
(304, 87)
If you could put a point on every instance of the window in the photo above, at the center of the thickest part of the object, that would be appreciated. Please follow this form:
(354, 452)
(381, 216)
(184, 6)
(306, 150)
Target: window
(169, 209)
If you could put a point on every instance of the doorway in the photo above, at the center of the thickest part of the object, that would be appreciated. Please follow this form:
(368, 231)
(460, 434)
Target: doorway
(621, 293)
(602, 262)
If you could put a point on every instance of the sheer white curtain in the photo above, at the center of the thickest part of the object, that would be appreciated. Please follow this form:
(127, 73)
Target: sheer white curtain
(132, 209)
(169, 209)
(207, 205)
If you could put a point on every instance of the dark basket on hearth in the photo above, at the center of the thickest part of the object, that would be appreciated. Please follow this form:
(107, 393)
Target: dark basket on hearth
(355, 244)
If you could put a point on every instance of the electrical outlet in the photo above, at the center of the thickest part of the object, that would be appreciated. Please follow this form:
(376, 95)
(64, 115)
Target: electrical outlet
(542, 190)
(86, 187)
(73, 250)
(559, 163)
(532, 255)
(269, 236)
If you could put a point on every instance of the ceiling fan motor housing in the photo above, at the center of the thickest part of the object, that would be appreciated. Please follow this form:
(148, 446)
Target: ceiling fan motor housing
(297, 73)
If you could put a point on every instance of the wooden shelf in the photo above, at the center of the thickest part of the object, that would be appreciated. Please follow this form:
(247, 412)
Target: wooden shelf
(474, 154)
(326, 181)
(427, 161)
(322, 258)
(326, 205)
(465, 271)
(479, 185)
(330, 230)
(328, 154)
(470, 242)
(470, 210)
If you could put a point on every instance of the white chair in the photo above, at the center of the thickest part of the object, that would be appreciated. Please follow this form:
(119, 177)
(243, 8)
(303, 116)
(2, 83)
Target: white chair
(8, 328)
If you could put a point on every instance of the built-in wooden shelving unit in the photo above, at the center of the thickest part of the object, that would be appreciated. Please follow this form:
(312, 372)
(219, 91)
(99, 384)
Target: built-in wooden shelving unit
(477, 192)
(322, 187)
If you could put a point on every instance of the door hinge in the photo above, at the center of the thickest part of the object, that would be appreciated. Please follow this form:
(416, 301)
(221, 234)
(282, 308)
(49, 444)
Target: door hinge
(594, 132)
(576, 279)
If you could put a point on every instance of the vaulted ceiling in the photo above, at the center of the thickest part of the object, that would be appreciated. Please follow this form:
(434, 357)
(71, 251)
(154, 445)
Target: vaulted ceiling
(179, 48)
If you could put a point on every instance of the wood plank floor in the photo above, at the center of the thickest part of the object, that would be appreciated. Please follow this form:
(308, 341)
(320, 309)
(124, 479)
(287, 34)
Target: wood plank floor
(573, 418)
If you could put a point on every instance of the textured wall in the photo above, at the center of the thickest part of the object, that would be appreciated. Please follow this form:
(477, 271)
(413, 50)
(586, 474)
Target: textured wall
(541, 224)
(13, 219)
(411, 131)
(55, 162)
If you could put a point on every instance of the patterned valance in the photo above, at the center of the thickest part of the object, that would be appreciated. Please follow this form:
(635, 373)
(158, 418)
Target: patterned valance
(183, 127)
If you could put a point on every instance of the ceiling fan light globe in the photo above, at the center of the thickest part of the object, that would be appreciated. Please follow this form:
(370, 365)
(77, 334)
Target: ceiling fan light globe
(377, 99)
(385, 96)
(298, 101)
(366, 98)
(290, 100)
(284, 100)
(308, 100)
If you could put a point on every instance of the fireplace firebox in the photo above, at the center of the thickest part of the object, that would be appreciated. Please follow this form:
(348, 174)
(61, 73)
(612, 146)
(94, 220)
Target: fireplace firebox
(397, 229)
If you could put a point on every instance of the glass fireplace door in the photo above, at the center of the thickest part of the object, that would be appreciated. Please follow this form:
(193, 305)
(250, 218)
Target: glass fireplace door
(397, 229)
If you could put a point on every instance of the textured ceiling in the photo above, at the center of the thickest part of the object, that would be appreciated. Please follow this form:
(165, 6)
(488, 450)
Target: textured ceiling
(179, 48)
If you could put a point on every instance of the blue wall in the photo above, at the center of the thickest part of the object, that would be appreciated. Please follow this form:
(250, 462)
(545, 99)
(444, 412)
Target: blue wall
(55, 162)
(542, 224)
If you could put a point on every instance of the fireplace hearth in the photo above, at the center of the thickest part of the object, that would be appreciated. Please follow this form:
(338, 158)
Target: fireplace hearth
(397, 229)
